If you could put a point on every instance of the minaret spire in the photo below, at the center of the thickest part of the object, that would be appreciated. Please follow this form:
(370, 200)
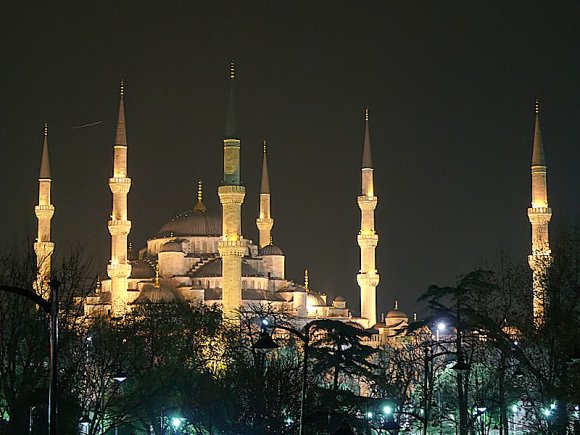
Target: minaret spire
(232, 246)
(368, 278)
(44, 247)
(265, 221)
(539, 215)
(119, 268)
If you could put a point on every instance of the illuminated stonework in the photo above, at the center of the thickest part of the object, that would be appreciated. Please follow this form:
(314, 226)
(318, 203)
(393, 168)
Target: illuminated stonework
(119, 268)
(44, 211)
(539, 215)
(368, 278)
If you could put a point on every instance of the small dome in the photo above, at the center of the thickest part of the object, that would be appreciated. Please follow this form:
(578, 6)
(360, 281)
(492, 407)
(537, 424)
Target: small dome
(339, 299)
(141, 270)
(198, 222)
(271, 250)
(396, 314)
(172, 246)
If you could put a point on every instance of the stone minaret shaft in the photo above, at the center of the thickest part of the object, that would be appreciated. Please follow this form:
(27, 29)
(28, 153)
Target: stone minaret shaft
(231, 194)
(44, 211)
(539, 214)
(367, 279)
(265, 221)
(119, 268)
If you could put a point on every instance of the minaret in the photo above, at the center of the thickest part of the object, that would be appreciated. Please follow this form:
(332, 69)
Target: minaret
(231, 193)
(44, 212)
(539, 215)
(265, 221)
(367, 279)
(119, 268)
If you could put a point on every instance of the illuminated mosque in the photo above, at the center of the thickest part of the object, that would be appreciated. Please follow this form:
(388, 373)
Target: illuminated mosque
(201, 256)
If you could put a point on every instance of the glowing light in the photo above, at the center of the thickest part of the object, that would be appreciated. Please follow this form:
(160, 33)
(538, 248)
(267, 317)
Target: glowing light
(265, 322)
(552, 406)
(369, 414)
(514, 408)
(441, 326)
(387, 410)
(176, 422)
(546, 412)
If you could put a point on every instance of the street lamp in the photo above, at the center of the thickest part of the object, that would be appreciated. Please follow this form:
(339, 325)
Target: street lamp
(387, 410)
(265, 343)
(120, 377)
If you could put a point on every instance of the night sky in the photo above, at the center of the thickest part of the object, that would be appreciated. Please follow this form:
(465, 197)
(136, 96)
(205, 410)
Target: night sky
(450, 88)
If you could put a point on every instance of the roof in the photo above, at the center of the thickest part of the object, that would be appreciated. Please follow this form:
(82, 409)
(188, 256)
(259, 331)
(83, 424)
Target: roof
(271, 250)
(538, 156)
(396, 314)
(156, 294)
(215, 294)
(214, 268)
(193, 223)
(367, 160)
(121, 134)
(340, 299)
(44, 160)
(265, 183)
(141, 270)
(173, 246)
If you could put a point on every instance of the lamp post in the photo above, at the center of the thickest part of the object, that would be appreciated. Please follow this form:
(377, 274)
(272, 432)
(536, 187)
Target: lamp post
(265, 343)
(50, 307)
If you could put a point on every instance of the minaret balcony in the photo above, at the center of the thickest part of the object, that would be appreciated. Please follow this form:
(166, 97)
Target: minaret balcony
(231, 248)
(264, 223)
(117, 270)
(119, 227)
(539, 215)
(231, 194)
(368, 279)
(367, 203)
(368, 240)
(44, 211)
(120, 185)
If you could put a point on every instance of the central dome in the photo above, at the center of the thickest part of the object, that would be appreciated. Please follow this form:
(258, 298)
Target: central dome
(193, 223)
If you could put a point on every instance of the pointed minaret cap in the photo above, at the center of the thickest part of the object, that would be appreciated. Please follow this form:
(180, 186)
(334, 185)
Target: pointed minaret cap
(121, 136)
(199, 206)
(538, 156)
(44, 160)
(231, 131)
(265, 185)
(367, 160)
(306, 279)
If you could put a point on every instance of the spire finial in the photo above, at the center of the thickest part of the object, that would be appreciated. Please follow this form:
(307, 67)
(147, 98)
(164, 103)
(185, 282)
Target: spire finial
(367, 160)
(537, 105)
(271, 240)
(121, 134)
(122, 89)
(306, 279)
(232, 69)
(264, 145)
(157, 275)
(396, 304)
(366, 114)
(45, 129)
(265, 182)
(538, 157)
(199, 206)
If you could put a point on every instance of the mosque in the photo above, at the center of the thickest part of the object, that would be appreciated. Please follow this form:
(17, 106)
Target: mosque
(201, 256)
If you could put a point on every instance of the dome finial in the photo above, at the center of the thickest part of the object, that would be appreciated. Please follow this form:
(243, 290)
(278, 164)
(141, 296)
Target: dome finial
(537, 105)
(264, 145)
(45, 129)
(122, 88)
(199, 206)
(271, 240)
(306, 279)
(396, 304)
(232, 69)
(157, 275)
(366, 114)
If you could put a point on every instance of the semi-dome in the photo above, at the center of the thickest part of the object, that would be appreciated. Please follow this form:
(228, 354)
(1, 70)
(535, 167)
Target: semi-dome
(193, 223)
(141, 270)
(173, 246)
(271, 250)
